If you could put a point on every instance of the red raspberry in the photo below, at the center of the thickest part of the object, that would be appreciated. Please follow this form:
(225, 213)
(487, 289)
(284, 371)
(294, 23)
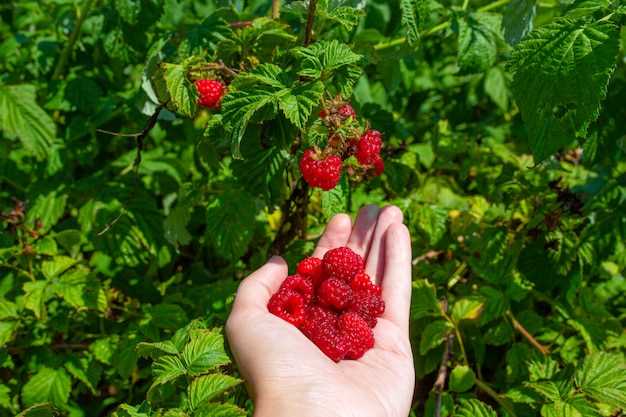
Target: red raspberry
(289, 306)
(323, 113)
(311, 268)
(368, 306)
(362, 283)
(357, 335)
(342, 263)
(300, 285)
(334, 293)
(379, 166)
(346, 111)
(368, 148)
(210, 93)
(320, 327)
(323, 173)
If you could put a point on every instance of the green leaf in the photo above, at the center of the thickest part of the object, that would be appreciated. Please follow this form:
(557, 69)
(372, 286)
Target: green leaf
(496, 87)
(432, 222)
(467, 309)
(86, 371)
(473, 408)
(262, 172)
(48, 209)
(82, 290)
(8, 309)
(410, 20)
(55, 267)
(231, 234)
(298, 102)
(603, 378)
(220, 410)
(335, 201)
(7, 330)
(47, 384)
(569, 407)
(22, 118)
(39, 410)
(517, 20)
(205, 351)
(461, 378)
(433, 335)
(156, 349)
(561, 72)
(166, 369)
(207, 387)
(478, 34)
(35, 297)
(424, 300)
(168, 316)
(580, 8)
(332, 62)
(128, 10)
(182, 92)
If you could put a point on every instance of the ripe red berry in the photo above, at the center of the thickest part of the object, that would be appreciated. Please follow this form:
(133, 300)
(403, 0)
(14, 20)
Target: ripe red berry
(346, 111)
(210, 93)
(323, 173)
(368, 148)
(334, 293)
(289, 306)
(362, 283)
(368, 306)
(342, 263)
(320, 327)
(299, 284)
(379, 166)
(357, 335)
(311, 268)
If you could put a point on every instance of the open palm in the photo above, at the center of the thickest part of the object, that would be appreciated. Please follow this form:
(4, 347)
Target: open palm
(288, 375)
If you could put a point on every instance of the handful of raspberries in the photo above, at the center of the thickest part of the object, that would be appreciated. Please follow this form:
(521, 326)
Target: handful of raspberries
(333, 302)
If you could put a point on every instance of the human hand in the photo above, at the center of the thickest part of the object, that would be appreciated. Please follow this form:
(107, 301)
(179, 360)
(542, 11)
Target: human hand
(287, 375)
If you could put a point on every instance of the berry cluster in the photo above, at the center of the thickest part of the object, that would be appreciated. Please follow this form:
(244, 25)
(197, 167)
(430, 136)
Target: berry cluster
(322, 167)
(210, 93)
(333, 302)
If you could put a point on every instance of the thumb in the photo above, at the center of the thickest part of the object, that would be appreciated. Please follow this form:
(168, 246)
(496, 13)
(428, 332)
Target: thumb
(255, 291)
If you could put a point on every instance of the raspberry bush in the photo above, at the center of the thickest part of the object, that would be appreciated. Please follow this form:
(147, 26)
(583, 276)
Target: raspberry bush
(156, 152)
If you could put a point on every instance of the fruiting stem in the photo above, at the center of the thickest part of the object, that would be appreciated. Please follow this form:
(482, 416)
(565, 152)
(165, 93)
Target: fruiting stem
(308, 33)
(275, 9)
(65, 54)
(522, 330)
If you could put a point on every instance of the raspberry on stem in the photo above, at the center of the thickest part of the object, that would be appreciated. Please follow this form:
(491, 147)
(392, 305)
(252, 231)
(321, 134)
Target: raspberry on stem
(323, 173)
(368, 147)
(210, 93)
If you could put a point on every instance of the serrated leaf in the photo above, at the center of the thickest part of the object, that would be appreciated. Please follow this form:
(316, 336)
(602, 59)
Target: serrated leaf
(473, 408)
(35, 297)
(205, 351)
(156, 349)
(7, 329)
(22, 118)
(231, 234)
(410, 20)
(561, 72)
(206, 387)
(579, 8)
(424, 300)
(182, 92)
(432, 222)
(56, 266)
(433, 335)
(335, 201)
(86, 371)
(47, 384)
(517, 20)
(299, 101)
(462, 378)
(128, 10)
(220, 410)
(168, 316)
(603, 378)
(8, 309)
(39, 410)
(166, 369)
(262, 172)
(478, 34)
(569, 407)
(48, 209)
(80, 289)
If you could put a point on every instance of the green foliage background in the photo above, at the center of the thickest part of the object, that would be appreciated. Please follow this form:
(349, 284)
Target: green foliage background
(505, 145)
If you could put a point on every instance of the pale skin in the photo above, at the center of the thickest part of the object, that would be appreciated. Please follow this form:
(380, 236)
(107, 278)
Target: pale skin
(287, 375)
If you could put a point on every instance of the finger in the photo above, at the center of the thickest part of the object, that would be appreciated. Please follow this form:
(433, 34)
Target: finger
(396, 283)
(363, 231)
(336, 234)
(258, 287)
(375, 265)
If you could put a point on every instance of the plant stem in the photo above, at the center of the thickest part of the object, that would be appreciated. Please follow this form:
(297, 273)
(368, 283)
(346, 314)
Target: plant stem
(522, 330)
(308, 33)
(441, 26)
(275, 9)
(459, 338)
(294, 218)
(65, 54)
(483, 386)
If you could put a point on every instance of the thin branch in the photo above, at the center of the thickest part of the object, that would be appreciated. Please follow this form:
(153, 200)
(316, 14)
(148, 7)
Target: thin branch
(524, 332)
(442, 374)
(140, 138)
(65, 54)
(308, 34)
(275, 9)
(127, 135)
(241, 24)
(294, 219)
